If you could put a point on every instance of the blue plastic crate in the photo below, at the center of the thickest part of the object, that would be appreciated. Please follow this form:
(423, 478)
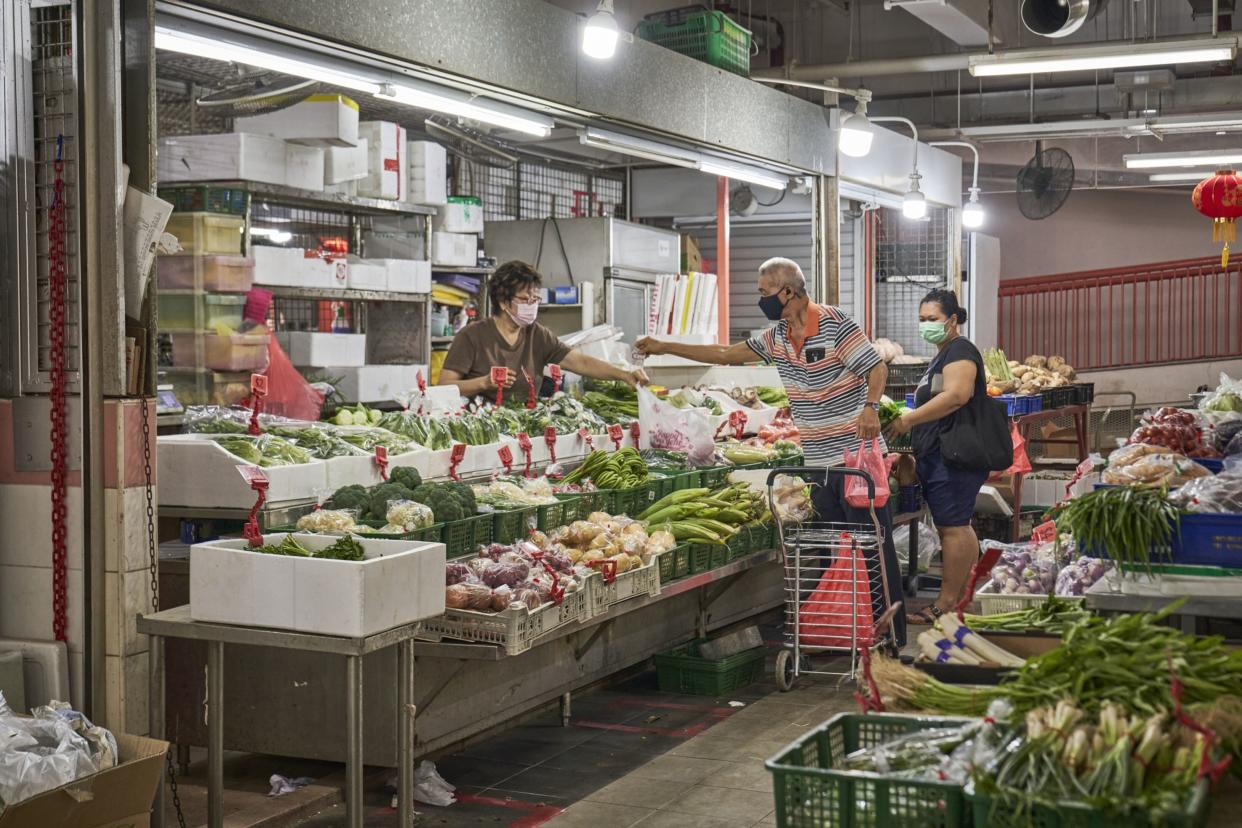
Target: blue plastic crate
(1034, 404)
(910, 401)
(1011, 404)
(1210, 539)
(1215, 466)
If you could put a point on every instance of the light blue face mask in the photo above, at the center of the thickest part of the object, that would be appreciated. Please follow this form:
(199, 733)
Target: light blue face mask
(933, 332)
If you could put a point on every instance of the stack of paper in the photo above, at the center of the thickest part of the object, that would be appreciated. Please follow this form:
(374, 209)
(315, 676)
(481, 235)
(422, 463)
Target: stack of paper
(683, 303)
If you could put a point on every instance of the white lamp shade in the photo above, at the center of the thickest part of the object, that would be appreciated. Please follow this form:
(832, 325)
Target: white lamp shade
(913, 205)
(599, 36)
(854, 137)
(972, 215)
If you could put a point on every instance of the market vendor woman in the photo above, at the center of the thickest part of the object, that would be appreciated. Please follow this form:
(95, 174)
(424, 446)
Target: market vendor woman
(512, 339)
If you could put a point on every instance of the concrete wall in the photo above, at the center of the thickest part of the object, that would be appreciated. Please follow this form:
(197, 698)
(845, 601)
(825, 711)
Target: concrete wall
(1161, 384)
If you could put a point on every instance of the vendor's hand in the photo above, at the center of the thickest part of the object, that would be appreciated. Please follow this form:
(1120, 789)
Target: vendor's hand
(649, 346)
(637, 377)
(898, 427)
(868, 424)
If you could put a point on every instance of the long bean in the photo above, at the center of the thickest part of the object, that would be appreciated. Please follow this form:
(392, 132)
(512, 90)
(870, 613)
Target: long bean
(1129, 524)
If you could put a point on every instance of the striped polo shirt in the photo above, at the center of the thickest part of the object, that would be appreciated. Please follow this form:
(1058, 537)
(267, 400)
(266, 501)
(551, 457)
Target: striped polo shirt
(825, 374)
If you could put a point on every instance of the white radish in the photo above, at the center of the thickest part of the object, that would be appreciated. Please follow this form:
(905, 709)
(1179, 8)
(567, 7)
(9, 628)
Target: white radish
(942, 650)
(957, 632)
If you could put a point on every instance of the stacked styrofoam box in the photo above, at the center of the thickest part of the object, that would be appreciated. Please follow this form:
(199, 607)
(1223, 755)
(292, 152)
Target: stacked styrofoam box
(319, 120)
(291, 267)
(216, 480)
(304, 167)
(406, 275)
(343, 165)
(428, 173)
(454, 249)
(315, 348)
(387, 167)
(222, 157)
(365, 274)
(375, 383)
(462, 214)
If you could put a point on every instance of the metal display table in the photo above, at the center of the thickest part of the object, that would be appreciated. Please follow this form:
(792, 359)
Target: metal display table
(176, 623)
(1101, 599)
(1026, 425)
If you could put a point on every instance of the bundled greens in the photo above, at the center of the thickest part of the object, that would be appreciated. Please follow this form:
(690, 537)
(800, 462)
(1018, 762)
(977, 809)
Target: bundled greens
(611, 409)
(367, 439)
(322, 443)
(997, 364)
(1129, 524)
(1054, 616)
(345, 548)
(265, 450)
(622, 469)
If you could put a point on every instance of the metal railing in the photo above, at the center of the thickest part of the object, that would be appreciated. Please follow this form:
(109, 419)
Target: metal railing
(1139, 315)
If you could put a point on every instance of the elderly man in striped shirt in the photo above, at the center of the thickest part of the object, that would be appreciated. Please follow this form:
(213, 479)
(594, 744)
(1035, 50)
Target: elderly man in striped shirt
(834, 379)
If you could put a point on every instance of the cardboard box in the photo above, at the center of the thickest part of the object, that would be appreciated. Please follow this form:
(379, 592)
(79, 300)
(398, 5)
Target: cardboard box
(304, 167)
(229, 156)
(399, 582)
(387, 175)
(1060, 451)
(216, 479)
(462, 214)
(454, 249)
(375, 383)
(319, 120)
(343, 164)
(313, 348)
(428, 173)
(691, 258)
(119, 797)
(406, 275)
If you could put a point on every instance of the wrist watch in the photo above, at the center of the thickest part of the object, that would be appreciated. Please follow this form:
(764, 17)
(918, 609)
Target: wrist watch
(873, 406)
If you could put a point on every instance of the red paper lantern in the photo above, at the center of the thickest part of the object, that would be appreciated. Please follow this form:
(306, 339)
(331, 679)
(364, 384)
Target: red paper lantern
(1219, 197)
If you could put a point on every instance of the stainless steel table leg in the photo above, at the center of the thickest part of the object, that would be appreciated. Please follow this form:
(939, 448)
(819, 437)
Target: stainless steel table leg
(566, 709)
(405, 731)
(155, 720)
(353, 744)
(215, 734)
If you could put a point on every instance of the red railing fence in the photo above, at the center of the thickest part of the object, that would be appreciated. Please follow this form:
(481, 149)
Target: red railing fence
(1125, 317)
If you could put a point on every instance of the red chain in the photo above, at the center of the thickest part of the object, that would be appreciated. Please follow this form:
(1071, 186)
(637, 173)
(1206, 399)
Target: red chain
(56, 275)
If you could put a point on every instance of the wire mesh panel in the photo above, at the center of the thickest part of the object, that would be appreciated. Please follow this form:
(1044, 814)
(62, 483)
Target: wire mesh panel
(911, 258)
(529, 190)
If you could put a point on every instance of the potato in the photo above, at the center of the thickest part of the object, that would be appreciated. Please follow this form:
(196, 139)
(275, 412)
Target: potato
(599, 517)
(1066, 371)
(593, 555)
(1055, 362)
(1037, 361)
(600, 541)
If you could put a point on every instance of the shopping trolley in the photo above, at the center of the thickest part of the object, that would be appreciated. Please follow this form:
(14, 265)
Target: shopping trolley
(836, 600)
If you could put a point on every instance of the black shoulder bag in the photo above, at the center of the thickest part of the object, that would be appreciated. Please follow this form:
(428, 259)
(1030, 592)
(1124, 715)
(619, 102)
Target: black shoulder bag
(977, 438)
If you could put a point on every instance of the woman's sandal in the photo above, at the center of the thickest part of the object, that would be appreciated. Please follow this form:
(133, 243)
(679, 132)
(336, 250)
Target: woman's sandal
(926, 616)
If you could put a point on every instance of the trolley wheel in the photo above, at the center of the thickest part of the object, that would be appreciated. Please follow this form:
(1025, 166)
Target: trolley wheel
(785, 671)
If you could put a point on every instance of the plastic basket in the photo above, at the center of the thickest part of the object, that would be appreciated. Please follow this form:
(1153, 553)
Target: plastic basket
(993, 603)
(1059, 397)
(462, 537)
(738, 544)
(586, 503)
(683, 670)
(701, 556)
(674, 564)
(637, 583)
(811, 792)
(513, 630)
(561, 513)
(1082, 815)
(686, 480)
(513, 525)
(631, 502)
(661, 484)
(203, 199)
(709, 36)
(714, 477)
(1084, 393)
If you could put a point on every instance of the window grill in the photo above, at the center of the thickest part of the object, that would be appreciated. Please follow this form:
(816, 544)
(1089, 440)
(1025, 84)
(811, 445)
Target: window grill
(531, 190)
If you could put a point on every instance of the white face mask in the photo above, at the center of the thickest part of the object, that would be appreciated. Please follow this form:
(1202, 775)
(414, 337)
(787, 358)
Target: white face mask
(524, 314)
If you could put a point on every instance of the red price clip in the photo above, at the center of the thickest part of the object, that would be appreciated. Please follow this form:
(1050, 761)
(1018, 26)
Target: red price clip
(506, 457)
(257, 480)
(531, 391)
(499, 376)
(608, 569)
(634, 433)
(586, 438)
(557, 376)
(549, 437)
(614, 434)
(258, 390)
(737, 419)
(525, 446)
(381, 460)
(1045, 532)
(981, 570)
(457, 454)
(1082, 470)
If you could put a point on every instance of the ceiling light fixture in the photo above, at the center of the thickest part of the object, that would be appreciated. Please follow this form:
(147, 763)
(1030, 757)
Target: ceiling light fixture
(913, 203)
(742, 172)
(972, 210)
(1198, 158)
(465, 105)
(855, 132)
(676, 156)
(1190, 175)
(1108, 56)
(599, 35)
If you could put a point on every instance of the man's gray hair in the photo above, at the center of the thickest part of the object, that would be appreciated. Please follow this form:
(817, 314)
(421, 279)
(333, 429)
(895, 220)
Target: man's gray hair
(786, 271)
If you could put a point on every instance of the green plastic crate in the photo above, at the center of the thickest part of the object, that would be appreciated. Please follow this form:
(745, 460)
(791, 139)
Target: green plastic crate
(683, 670)
(561, 513)
(1080, 815)
(811, 792)
(514, 524)
(687, 480)
(631, 502)
(674, 564)
(203, 199)
(462, 537)
(661, 485)
(739, 545)
(588, 502)
(709, 36)
(714, 477)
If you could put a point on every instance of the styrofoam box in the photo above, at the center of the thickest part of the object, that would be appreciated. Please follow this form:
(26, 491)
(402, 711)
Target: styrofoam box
(362, 469)
(392, 245)
(454, 249)
(375, 383)
(345, 188)
(399, 582)
(195, 471)
(343, 164)
(304, 167)
(312, 348)
(428, 173)
(367, 275)
(229, 156)
(460, 215)
(292, 266)
(406, 275)
(387, 173)
(319, 120)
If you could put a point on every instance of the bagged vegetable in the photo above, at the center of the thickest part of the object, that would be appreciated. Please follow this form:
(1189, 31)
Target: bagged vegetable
(1215, 493)
(409, 514)
(1226, 397)
(328, 521)
(665, 426)
(1140, 464)
(871, 460)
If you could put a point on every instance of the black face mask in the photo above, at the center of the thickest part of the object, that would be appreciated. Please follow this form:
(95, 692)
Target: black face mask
(772, 306)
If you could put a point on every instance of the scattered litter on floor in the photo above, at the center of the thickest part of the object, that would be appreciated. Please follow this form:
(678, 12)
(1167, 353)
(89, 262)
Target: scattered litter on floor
(737, 704)
(282, 785)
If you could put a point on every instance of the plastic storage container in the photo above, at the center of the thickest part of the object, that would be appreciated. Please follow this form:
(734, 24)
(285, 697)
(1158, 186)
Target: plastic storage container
(222, 274)
(204, 199)
(207, 232)
(709, 36)
(683, 670)
(232, 352)
(200, 312)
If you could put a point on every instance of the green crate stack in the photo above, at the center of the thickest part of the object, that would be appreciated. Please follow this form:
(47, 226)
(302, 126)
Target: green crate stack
(462, 537)
(714, 477)
(811, 791)
(631, 502)
(561, 513)
(700, 557)
(739, 545)
(588, 502)
(709, 36)
(203, 199)
(480, 530)
(721, 555)
(513, 525)
(674, 564)
(683, 670)
(662, 486)
(686, 480)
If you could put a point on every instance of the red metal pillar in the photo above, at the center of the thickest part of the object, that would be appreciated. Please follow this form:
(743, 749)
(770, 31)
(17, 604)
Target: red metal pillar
(722, 260)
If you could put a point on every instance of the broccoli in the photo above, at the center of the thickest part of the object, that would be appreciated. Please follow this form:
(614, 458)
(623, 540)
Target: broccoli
(445, 507)
(407, 476)
(382, 494)
(350, 497)
(422, 493)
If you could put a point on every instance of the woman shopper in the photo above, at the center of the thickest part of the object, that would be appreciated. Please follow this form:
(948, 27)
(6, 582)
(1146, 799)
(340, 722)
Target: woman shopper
(512, 339)
(954, 376)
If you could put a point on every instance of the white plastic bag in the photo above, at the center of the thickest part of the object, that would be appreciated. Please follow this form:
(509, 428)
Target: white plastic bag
(1226, 398)
(665, 426)
(40, 754)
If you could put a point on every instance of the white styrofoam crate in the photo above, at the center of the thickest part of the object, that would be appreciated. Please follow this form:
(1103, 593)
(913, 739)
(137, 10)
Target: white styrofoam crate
(291, 267)
(319, 120)
(343, 165)
(315, 348)
(428, 173)
(363, 471)
(304, 167)
(228, 156)
(399, 582)
(406, 275)
(454, 249)
(459, 215)
(387, 167)
(367, 275)
(375, 383)
(195, 471)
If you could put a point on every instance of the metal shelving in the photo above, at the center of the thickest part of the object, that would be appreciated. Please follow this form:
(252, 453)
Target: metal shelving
(313, 198)
(343, 294)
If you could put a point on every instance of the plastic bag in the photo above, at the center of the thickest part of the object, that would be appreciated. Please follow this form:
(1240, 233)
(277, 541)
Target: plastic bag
(827, 616)
(57, 746)
(1021, 462)
(1226, 397)
(329, 521)
(288, 393)
(665, 426)
(1147, 465)
(1219, 493)
(871, 460)
(929, 542)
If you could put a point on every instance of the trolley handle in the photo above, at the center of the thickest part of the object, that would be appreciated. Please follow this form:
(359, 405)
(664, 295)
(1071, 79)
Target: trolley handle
(825, 472)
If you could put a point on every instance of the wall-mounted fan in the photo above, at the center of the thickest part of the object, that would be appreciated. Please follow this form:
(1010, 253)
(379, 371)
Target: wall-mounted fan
(257, 95)
(1045, 182)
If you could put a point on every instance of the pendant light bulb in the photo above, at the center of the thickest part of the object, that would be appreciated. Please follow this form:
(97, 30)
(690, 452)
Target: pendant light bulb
(972, 211)
(913, 204)
(599, 35)
(856, 132)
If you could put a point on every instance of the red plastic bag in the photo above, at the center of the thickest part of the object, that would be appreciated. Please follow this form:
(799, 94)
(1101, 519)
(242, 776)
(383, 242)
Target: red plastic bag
(871, 460)
(1021, 462)
(288, 393)
(827, 617)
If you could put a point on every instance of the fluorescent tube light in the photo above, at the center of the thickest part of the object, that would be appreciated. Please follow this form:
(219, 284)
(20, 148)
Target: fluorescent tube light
(741, 172)
(1111, 56)
(639, 148)
(1199, 158)
(1191, 175)
(454, 102)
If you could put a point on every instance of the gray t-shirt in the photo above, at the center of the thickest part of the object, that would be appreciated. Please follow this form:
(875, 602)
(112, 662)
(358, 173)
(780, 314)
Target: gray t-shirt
(479, 346)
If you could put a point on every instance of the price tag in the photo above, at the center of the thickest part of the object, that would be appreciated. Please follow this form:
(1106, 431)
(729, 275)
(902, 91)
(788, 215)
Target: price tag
(607, 569)
(586, 438)
(614, 434)
(737, 420)
(1045, 532)
(422, 382)
(634, 433)
(258, 385)
(531, 391)
(457, 454)
(254, 476)
(549, 437)
(257, 480)
(506, 457)
(381, 460)
(499, 375)
(525, 446)
(557, 377)
(258, 390)
(981, 570)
